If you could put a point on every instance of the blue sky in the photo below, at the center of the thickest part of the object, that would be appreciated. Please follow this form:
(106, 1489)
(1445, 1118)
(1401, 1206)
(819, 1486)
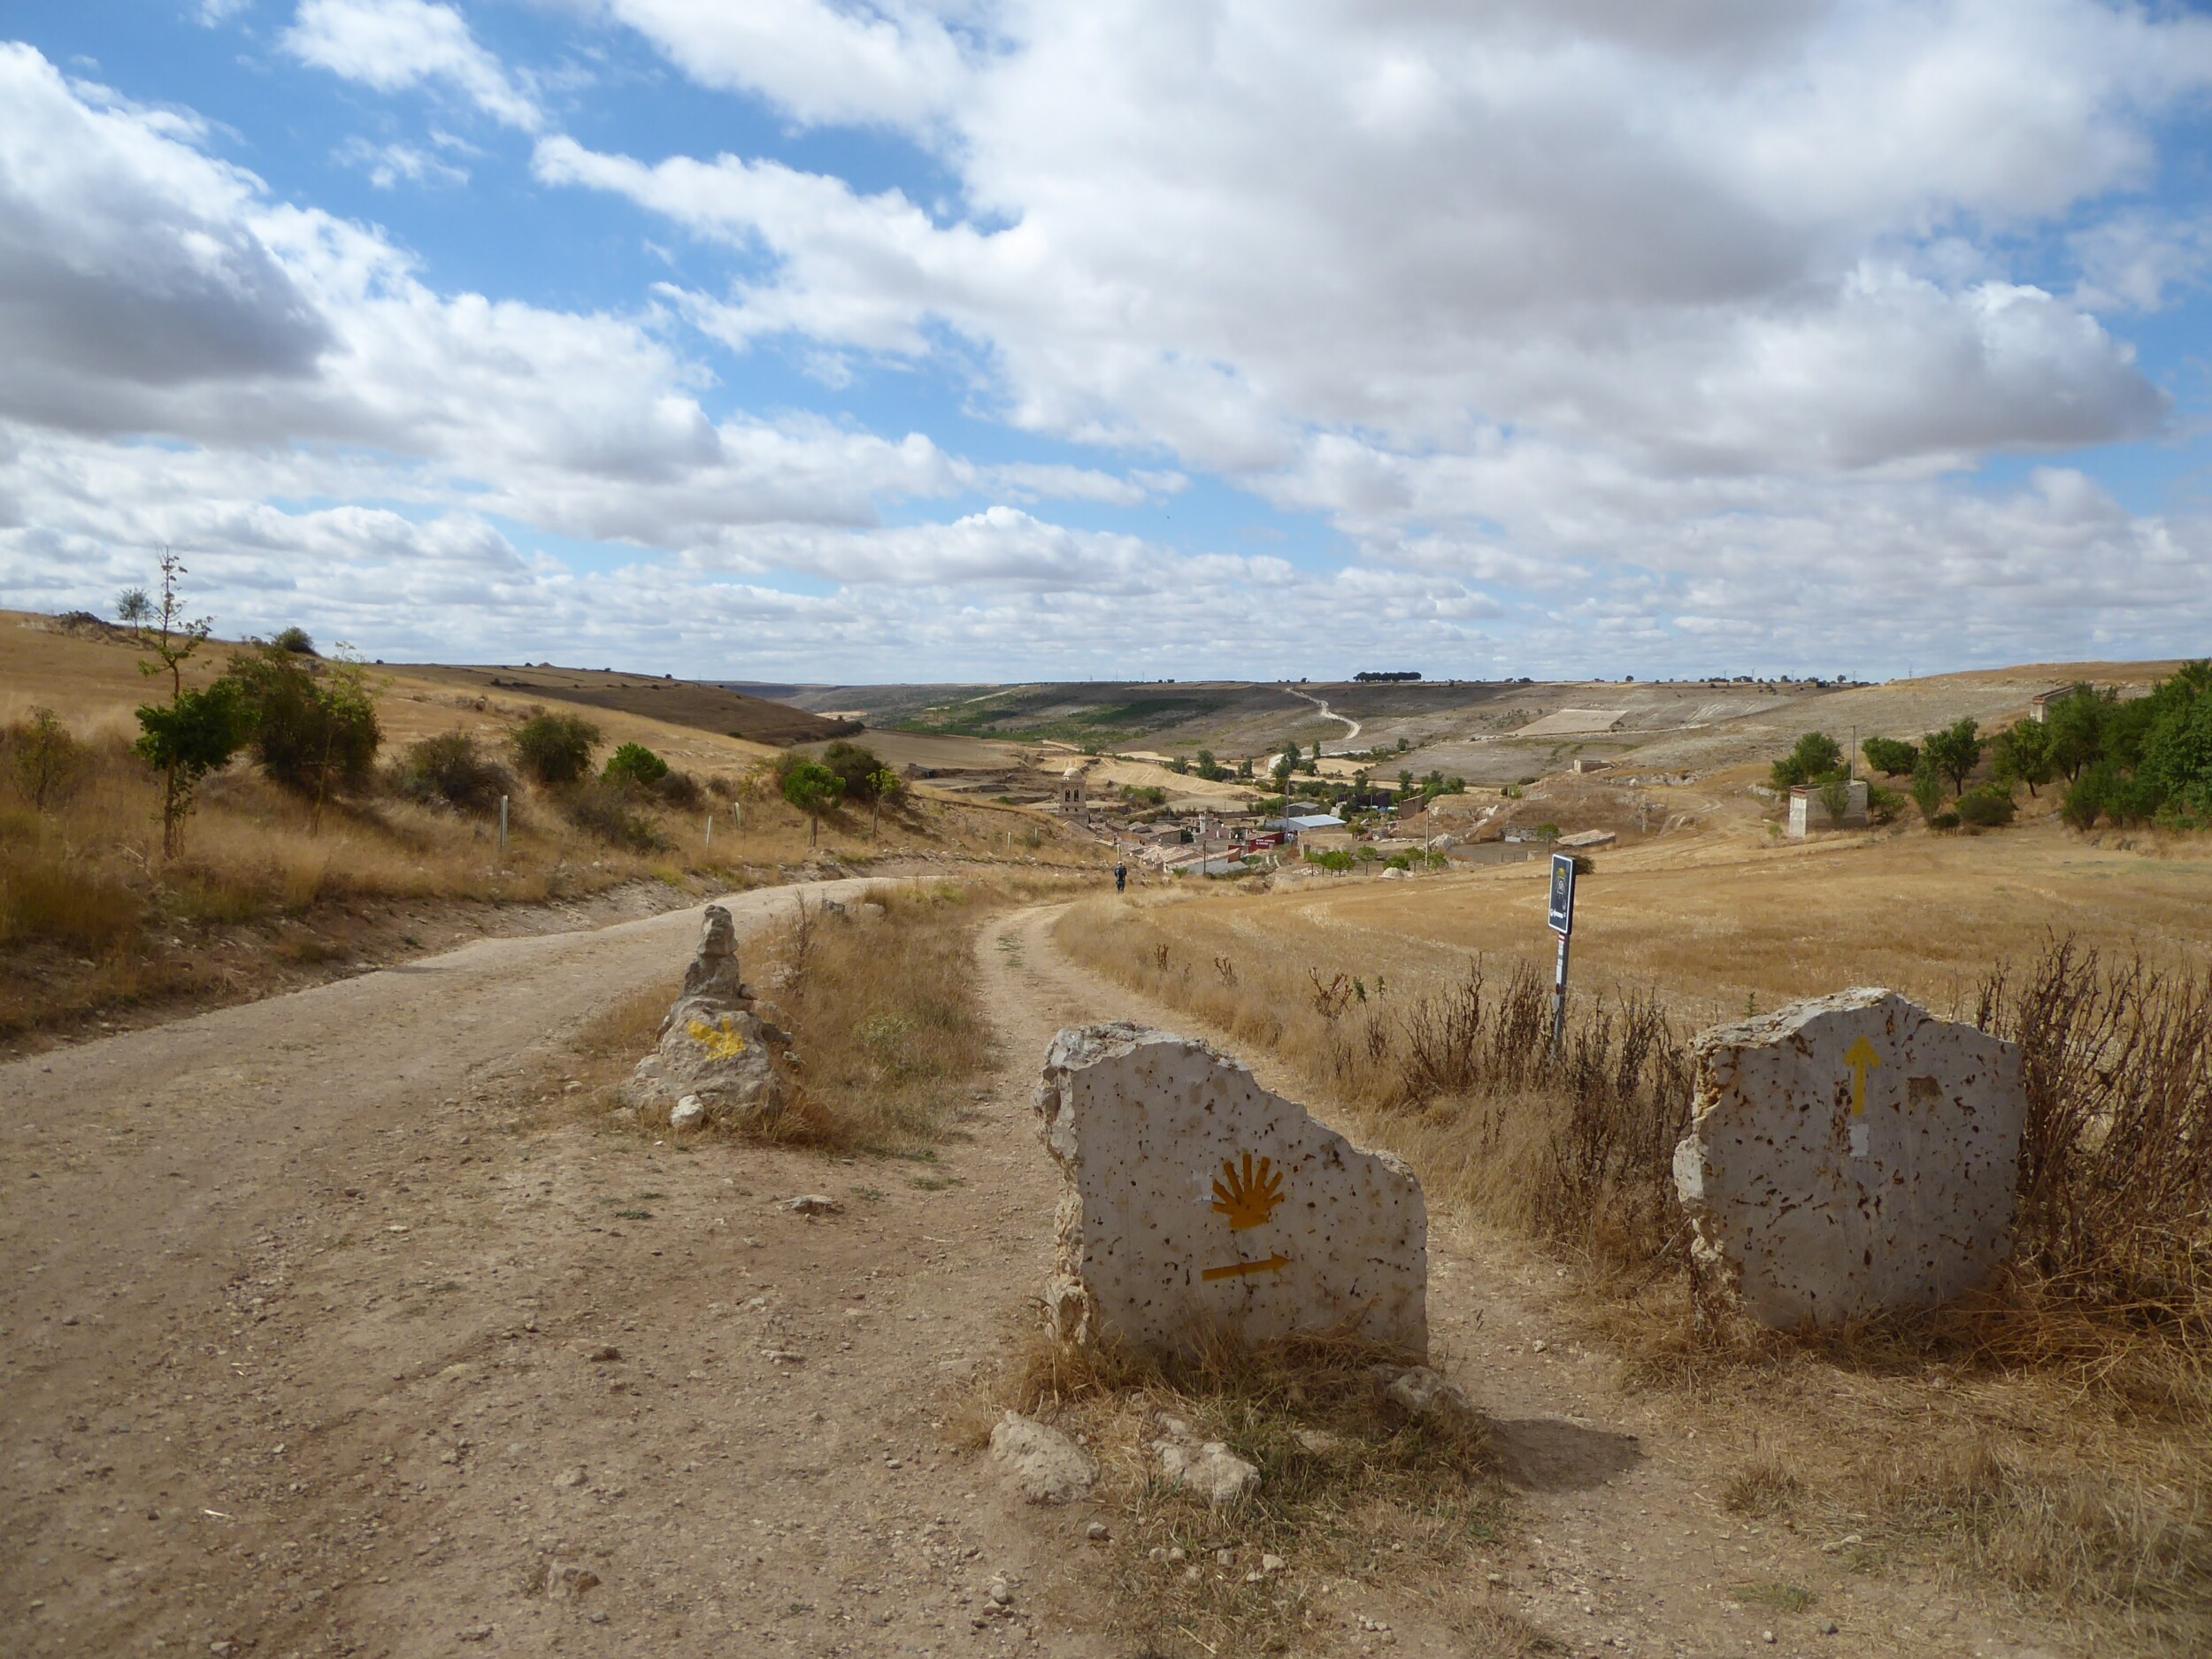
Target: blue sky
(982, 339)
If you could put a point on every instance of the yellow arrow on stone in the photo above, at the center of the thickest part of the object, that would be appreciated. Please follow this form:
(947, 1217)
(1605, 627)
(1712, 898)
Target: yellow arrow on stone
(1862, 1059)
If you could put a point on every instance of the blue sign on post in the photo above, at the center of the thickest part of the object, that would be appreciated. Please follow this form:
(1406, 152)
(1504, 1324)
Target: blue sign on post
(1562, 923)
(1563, 894)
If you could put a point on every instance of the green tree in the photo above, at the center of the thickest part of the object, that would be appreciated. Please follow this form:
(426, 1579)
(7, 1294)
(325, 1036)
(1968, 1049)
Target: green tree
(634, 764)
(1889, 757)
(2022, 754)
(2177, 763)
(132, 608)
(553, 749)
(1816, 755)
(194, 732)
(2075, 723)
(883, 785)
(815, 790)
(311, 726)
(294, 639)
(47, 758)
(1954, 752)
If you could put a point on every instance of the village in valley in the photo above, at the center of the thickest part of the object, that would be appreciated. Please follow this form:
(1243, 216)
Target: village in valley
(950, 829)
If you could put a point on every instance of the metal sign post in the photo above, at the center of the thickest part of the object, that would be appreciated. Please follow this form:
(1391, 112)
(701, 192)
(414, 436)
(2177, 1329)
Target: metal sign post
(1562, 923)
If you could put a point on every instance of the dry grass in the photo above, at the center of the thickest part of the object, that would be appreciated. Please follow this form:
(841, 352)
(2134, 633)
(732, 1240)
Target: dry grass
(92, 919)
(1352, 1498)
(888, 1025)
(885, 1012)
(1457, 1075)
(2054, 1434)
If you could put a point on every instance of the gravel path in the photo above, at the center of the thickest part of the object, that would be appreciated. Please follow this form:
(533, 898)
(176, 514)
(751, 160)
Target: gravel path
(336, 1327)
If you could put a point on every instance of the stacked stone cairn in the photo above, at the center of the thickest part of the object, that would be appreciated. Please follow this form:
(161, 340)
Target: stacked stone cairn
(715, 1060)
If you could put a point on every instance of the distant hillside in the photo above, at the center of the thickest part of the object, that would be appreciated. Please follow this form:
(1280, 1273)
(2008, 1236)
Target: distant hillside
(705, 708)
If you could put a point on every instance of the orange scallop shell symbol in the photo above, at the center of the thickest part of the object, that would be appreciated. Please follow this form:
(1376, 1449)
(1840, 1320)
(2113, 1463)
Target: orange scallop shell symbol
(1248, 1196)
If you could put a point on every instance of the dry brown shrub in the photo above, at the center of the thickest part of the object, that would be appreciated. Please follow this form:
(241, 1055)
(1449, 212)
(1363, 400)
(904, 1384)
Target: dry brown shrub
(2116, 1159)
(2060, 1423)
(1575, 1145)
(885, 1012)
(1762, 1486)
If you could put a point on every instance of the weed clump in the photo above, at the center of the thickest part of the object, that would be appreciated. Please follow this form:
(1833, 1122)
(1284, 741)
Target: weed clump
(609, 811)
(553, 749)
(1351, 1487)
(450, 770)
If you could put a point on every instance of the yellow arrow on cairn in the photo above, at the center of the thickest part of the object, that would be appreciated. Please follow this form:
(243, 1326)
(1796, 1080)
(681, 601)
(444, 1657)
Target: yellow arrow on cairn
(1862, 1059)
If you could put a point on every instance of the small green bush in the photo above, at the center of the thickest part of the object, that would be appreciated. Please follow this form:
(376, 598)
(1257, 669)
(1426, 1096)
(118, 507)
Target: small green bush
(1335, 859)
(1989, 807)
(1882, 805)
(309, 726)
(856, 768)
(1944, 821)
(449, 770)
(680, 789)
(46, 759)
(553, 749)
(634, 764)
(1927, 788)
(296, 640)
(605, 810)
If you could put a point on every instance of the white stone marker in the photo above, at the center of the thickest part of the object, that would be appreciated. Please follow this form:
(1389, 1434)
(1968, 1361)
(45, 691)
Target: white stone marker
(1197, 1200)
(1848, 1156)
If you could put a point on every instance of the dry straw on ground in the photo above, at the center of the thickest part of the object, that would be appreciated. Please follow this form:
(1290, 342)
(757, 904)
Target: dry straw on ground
(1353, 1496)
(2054, 1435)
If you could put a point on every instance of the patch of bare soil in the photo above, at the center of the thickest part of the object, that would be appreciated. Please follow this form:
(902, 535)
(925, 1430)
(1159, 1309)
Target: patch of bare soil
(344, 1322)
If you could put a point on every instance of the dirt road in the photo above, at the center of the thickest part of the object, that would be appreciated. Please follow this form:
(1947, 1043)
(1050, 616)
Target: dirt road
(330, 1331)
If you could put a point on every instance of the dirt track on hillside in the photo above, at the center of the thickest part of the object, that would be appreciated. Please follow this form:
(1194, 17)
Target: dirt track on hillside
(300, 1358)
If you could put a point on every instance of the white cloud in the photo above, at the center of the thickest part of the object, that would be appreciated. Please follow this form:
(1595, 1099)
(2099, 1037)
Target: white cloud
(889, 63)
(386, 164)
(394, 45)
(2139, 261)
(1690, 235)
(1608, 336)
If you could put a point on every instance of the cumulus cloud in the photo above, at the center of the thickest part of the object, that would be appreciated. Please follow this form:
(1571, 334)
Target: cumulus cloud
(386, 164)
(888, 64)
(1605, 336)
(392, 45)
(127, 269)
(1218, 227)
